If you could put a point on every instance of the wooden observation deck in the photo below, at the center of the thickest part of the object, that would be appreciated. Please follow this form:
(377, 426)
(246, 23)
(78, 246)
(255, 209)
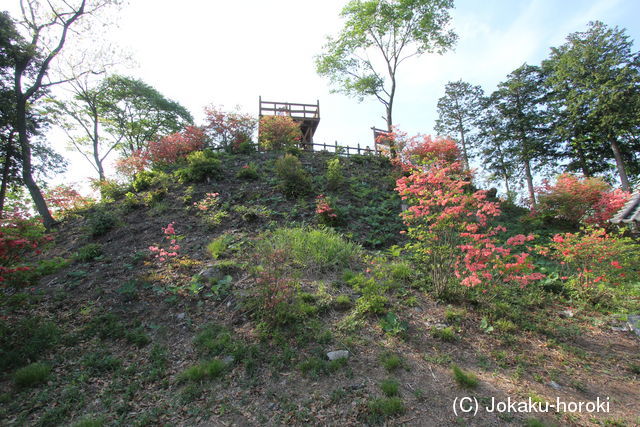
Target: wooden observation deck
(307, 115)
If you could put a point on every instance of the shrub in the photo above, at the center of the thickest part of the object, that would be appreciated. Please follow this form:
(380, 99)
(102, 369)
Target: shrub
(279, 133)
(218, 246)
(143, 181)
(19, 238)
(311, 249)
(594, 262)
(63, 199)
(232, 130)
(89, 252)
(293, 179)
(463, 378)
(135, 163)
(334, 174)
(389, 387)
(392, 325)
(101, 221)
(205, 370)
(163, 254)
(387, 407)
(248, 171)
(34, 374)
(580, 200)
(176, 146)
(111, 190)
(25, 341)
(324, 211)
(201, 165)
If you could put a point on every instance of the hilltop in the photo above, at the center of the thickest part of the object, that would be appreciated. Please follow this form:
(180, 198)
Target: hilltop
(210, 292)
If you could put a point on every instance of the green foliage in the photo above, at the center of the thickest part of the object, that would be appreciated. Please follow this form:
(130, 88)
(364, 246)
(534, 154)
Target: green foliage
(248, 171)
(453, 315)
(253, 213)
(101, 221)
(206, 370)
(334, 176)
(319, 250)
(201, 165)
(372, 299)
(377, 36)
(463, 378)
(111, 190)
(389, 387)
(387, 407)
(445, 334)
(220, 245)
(99, 362)
(293, 179)
(26, 340)
(342, 302)
(215, 340)
(143, 181)
(392, 325)
(89, 252)
(316, 366)
(30, 375)
(279, 133)
(391, 361)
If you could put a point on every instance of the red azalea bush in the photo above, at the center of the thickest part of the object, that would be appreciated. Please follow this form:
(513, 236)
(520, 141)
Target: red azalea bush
(129, 166)
(20, 236)
(325, 213)
(594, 260)
(163, 254)
(279, 133)
(579, 200)
(448, 223)
(176, 146)
(229, 129)
(64, 198)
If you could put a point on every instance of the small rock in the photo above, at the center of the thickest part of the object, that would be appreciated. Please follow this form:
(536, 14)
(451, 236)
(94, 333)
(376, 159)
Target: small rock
(338, 354)
(180, 316)
(228, 360)
(211, 274)
(417, 309)
(566, 314)
(440, 326)
(619, 328)
(634, 323)
(555, 385)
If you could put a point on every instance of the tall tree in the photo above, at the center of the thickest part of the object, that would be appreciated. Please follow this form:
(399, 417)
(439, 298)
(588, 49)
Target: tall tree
(458, 111)
(137, 113)
(595, 77)
(522, 123)
(45, 29)
(378, 36)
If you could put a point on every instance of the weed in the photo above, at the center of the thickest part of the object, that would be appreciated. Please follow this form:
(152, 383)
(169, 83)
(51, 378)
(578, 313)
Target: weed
(89, 252)
(389, 387)
(311, 249)
(342, 302)
(387, 407)
(211, 369)
(463, 378)
(334, 176)
(445, 334)
(634, 368)
(392, 325)
(453, 315)
(219, 246)
(99, 362)
(248, 171)
(101, 221)
(438, 358)
(316, 366)
(391, 361)
(293, 179)
(253, 213)
(30, 375)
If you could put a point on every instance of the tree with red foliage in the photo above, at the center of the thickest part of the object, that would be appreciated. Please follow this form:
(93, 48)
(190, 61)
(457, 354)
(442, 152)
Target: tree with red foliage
(228, 129)
(176, 146)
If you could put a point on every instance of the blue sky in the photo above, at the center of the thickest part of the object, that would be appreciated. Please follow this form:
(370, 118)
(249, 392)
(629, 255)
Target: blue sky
(228, 53)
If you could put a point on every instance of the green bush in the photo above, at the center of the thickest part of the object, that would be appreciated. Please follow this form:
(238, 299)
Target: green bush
(26, 340)
(334, 174)
(391, 361)
(293, 179)
(200, 166)
(112, 190)
(219, 245)
(248, 171)
(387, 407)
(211, 369)
(463, 378)
(311, 249)
(143, 181)
(389, 387)
(36, 373)
(89, 252)
(101, 221)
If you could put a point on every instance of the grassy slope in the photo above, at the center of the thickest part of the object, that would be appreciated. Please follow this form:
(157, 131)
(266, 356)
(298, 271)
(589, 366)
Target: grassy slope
(121, 331)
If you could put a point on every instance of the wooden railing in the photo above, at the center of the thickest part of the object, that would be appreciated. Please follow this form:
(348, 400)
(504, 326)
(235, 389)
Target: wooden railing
(296, 111)
(341, 150)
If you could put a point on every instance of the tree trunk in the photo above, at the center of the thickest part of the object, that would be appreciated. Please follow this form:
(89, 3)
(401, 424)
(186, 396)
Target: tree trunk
(27, 177)
(529, 177)
(5, 172)
(392, 144)
(465, 158)
(624, 180)
(96, 154)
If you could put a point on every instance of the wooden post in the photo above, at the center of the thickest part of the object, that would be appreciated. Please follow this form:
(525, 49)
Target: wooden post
(358, 148)
(336, 149)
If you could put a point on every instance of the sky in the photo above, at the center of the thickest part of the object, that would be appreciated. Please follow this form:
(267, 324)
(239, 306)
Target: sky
(202, 52)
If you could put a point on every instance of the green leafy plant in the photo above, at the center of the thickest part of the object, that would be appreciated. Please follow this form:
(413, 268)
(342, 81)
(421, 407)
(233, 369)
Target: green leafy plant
(201, 165)
(463, 378)
(248, 171)
(392, 325)
(31, 375)
(293, 179)
(89, 252)
(206, 370)
(389, 387)
(334, 176)
(101, 221)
